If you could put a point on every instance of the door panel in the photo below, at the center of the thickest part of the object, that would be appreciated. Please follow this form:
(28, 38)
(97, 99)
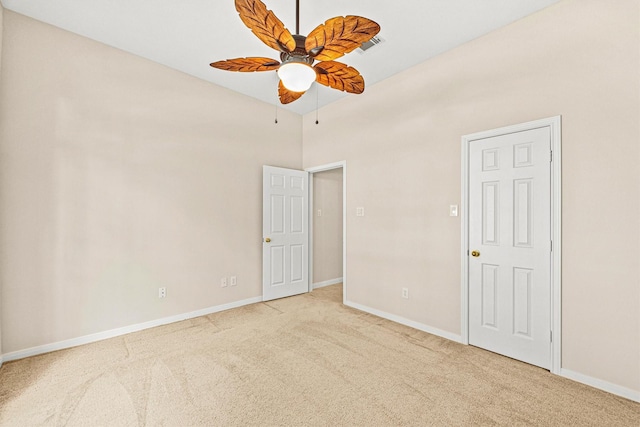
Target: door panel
(523, 213)
(490, 295)
(510, 229)
(277, 265)
(522, 301)
(490, 213)
(285, 226)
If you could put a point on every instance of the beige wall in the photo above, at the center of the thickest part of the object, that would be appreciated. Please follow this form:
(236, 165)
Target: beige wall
(119, 176)
(401, 141)
(1, 31)
(327, 229)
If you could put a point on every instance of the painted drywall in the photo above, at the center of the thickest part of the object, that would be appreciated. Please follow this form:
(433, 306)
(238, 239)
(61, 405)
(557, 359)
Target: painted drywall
(327, 228)
(119, 176)
(115, 176)
(1, 31)
(401, 140)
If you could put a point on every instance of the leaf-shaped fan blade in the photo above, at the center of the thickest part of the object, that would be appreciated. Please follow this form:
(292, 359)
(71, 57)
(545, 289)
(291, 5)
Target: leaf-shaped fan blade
(247, 64)
(287, 96)
(340, 35)
(339, 76)
(265, 25)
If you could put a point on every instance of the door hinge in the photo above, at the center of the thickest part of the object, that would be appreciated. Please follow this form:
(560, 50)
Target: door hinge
(551, 336)
(551, 156)
(552, 246)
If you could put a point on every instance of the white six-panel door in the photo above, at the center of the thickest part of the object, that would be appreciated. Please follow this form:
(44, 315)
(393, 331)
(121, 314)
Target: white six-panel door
(285, 225)
(510, 245)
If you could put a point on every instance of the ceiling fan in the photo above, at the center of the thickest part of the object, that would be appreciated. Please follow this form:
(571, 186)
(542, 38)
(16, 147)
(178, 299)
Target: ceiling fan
(327, 42)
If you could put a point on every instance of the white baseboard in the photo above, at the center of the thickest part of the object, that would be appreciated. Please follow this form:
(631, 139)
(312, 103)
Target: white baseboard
(87, 339)
(566, 373)
(327, 283)
(60, 345)
(403, 321)
(602, 385)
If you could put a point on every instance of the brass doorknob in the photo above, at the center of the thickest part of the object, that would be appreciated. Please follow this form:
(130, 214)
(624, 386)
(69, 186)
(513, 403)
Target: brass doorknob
(475, 254)
(267, 240)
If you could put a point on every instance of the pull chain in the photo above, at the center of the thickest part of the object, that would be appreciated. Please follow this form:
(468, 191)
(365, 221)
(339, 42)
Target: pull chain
(276, 121)
(317, 96)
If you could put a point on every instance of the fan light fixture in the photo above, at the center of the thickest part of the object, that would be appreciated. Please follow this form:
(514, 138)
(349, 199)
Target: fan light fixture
(296, 69)
(296, 76)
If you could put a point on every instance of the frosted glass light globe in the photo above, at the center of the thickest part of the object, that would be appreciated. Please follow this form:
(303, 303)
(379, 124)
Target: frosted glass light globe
(296, 76)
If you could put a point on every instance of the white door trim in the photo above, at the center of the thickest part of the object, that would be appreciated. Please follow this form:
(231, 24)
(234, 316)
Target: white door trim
(554, 123)
(322, 168)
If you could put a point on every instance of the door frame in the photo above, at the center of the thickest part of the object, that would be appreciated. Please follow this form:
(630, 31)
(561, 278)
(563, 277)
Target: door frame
(323, 168)
(554, 124)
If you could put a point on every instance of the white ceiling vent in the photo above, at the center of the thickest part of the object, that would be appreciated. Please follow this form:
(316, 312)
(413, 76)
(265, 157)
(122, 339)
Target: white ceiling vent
(375, 40)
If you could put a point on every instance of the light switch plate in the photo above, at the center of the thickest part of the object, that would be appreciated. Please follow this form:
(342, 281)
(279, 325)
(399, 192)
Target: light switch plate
(453, 210)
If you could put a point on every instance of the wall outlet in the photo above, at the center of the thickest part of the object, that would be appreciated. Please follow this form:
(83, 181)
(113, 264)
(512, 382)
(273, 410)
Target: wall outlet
(360, 211)
(232, 281)
(319, 212)
(405, 293)
(223, 282)
(162, 292)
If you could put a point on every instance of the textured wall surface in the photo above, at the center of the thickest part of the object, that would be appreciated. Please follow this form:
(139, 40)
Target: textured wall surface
(327, 229)
(1, 32)
(401, 141)
(119, 176)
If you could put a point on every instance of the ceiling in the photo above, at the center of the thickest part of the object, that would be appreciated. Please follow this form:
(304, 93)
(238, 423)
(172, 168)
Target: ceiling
(187, 35)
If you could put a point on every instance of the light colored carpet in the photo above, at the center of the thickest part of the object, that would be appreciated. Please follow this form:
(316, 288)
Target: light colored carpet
(300, 361)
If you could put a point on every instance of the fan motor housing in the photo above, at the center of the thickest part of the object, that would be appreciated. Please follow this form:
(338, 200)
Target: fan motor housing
(299, 54)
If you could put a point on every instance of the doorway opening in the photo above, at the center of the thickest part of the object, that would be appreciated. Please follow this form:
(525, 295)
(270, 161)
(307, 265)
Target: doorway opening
(327, 226)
